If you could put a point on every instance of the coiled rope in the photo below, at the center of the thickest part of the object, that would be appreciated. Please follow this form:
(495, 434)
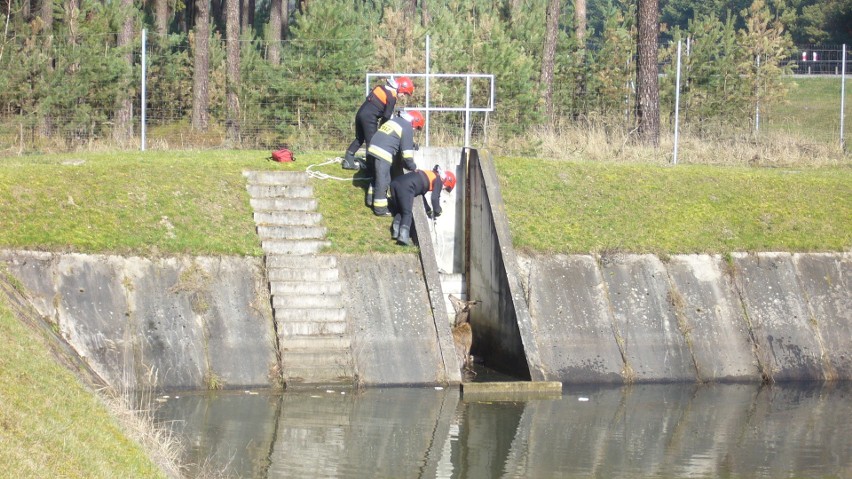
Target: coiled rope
(325, 176)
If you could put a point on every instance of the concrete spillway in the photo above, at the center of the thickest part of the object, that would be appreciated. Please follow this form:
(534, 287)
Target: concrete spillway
(227, 322)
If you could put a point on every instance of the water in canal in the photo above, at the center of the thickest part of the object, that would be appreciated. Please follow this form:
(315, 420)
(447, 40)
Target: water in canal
(649, 431)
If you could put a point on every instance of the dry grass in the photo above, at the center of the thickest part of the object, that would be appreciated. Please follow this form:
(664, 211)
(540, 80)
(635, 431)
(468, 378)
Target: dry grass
(593, 142)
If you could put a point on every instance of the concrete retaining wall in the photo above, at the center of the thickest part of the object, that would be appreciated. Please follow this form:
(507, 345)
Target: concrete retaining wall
(198, 323)
(635, 318)
(189, 323)
(170, 323)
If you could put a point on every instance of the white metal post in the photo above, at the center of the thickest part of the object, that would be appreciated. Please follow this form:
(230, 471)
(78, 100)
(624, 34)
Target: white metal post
(842, 98)
(144, 73)
(427, 89)
(757, 99)
(677, 105)
(467, 113)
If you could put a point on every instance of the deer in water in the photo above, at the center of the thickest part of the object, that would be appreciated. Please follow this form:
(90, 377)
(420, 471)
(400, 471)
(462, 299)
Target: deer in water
(462, 332)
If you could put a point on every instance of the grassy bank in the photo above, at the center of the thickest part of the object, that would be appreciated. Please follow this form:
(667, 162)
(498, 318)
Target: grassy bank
(567, 207)
(50, 425)
(196, 203)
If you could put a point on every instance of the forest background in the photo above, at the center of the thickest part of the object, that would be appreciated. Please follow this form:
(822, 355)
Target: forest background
(259, 74)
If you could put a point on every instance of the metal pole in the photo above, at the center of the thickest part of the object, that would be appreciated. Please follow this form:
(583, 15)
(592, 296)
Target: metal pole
(842, 97)
(677, 105)
(144, 73)
(757, 99)
(427, 89)
(467, 113)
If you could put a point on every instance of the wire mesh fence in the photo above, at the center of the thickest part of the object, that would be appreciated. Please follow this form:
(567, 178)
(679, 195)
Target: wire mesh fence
(308, 102)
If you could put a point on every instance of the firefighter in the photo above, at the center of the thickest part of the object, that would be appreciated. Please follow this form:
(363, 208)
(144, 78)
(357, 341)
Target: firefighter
(395, 139)
(377, 108)
(406, 187)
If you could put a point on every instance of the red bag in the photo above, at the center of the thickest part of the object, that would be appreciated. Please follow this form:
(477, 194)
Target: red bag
(283, 156)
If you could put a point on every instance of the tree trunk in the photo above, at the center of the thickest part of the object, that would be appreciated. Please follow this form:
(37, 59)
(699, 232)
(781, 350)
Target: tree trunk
(285, 19)
(548, 57)
(161, 18)
(47, 14)
(123, 125)
(245, 8)
(47, 18)
(580, 77)
(201, 67)
(647, 86)
(410, 9)
(580, 22)
(273, 52)
(232, 81)
(425, 19)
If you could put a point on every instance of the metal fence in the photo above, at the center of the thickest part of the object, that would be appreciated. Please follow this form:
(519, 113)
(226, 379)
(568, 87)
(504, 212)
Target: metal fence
(272, 114)
(819, 60)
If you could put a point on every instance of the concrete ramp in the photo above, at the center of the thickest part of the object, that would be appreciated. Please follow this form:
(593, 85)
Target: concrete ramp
(396, 339)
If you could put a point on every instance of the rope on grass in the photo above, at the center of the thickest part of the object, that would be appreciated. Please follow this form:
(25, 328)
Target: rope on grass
(325, 176)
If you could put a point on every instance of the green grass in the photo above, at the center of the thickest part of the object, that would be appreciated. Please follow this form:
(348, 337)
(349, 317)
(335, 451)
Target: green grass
(811, 110)
(558, 206)
(196, 203)
(50, 425)
(130, 202)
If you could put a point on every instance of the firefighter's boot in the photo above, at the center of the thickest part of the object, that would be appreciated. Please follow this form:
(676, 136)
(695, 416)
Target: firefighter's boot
(395, 226)
(349, 162)
(404, 238)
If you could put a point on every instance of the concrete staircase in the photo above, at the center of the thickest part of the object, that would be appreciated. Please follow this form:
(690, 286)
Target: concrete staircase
(310, 319)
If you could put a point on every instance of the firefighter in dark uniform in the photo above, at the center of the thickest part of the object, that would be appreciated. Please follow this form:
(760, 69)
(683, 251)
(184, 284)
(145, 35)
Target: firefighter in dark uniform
(377, 108)
(395, 139)
(406, 187)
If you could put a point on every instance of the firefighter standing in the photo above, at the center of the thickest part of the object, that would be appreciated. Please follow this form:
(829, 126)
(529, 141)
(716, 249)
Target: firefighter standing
(406, 187)
(378, 107)
(395, 139)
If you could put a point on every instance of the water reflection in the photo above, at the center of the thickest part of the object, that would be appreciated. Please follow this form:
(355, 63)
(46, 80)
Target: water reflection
(637, 431)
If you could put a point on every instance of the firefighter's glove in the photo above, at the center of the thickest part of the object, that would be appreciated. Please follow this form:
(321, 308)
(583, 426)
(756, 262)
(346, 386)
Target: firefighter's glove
(416, 146)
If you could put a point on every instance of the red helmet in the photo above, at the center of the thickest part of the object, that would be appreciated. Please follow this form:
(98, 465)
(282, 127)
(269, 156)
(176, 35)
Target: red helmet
(404, 85)
(415, 117)
(449, 179)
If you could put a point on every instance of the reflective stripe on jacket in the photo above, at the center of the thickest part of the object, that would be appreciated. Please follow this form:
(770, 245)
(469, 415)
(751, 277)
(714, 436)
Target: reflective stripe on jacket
(395, 136)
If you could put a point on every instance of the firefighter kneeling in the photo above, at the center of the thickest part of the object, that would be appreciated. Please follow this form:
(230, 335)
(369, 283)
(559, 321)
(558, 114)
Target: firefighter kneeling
(406, 187)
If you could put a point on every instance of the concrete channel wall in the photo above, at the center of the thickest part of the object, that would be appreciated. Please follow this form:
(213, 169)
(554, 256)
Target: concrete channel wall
(640, 318)
(195, 323)
(637, 318)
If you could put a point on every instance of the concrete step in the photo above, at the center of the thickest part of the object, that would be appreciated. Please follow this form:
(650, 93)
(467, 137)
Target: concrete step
(285, 315)
(310, 344)
(279, 191)
(337, 375)
(281, 246)
(291, 178)
(287, 218)
(318, 362)
(305, 287)
(306, 301)
(291, 232)
(312, 328)
(304, 275)
(283, 204)
(300, 262)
